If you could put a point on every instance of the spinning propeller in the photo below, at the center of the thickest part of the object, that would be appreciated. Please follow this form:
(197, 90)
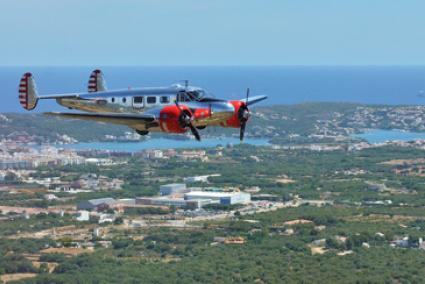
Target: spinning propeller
(185, 121)
(243, 116)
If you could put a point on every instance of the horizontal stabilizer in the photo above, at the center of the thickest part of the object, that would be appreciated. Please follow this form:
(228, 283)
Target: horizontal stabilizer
(28, 96)
(96, 82)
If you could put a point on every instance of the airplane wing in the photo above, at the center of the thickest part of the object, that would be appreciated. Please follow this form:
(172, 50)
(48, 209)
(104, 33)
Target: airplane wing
(254, 100)
(129, 119)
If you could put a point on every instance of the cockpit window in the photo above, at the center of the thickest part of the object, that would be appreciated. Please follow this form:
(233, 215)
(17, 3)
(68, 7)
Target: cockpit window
(193, 94)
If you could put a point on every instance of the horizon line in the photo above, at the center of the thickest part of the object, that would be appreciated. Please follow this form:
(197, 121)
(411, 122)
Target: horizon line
(216, 65)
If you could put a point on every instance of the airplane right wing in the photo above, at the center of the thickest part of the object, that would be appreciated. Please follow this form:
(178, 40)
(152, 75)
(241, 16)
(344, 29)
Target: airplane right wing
(136, 121)
(254, 100)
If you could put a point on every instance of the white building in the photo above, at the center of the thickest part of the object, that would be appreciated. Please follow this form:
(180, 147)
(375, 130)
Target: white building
(225, 198)
(106, 218)
(83, 215)
(196, 179)
(153, 154)
(50, 197)
(199, 178)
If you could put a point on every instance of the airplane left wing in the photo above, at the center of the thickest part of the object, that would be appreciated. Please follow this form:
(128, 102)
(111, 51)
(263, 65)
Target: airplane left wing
(131, 120)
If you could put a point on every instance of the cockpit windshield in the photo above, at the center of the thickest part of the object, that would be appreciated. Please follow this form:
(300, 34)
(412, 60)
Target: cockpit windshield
(198, 95)
(190, 93)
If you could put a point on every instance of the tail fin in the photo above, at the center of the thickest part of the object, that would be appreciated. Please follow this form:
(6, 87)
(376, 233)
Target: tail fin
(28, 96)
(96, 82)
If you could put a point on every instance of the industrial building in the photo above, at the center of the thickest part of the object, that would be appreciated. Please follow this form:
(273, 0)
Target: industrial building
(161, 201)
(126, 202)
(174, 188)
(95, 203)
(224, 198)
(176, 202)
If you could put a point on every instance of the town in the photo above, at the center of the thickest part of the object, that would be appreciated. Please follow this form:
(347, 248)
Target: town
(320, 196)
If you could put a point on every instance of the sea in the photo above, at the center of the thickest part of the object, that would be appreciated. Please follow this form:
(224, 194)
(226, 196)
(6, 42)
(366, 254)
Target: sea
(283, 84)
(379, 136)
(372, 136)
(164, 143)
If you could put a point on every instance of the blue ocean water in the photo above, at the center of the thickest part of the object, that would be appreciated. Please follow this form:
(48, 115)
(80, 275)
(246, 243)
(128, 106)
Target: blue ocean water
(162, 143)
(283, 85)
(380, 136)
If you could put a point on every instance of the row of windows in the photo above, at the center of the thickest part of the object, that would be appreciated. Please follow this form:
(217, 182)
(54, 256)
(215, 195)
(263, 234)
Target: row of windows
(149, 100)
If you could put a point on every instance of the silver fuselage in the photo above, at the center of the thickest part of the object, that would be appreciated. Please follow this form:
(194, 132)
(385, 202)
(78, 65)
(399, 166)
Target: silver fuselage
(149, 101)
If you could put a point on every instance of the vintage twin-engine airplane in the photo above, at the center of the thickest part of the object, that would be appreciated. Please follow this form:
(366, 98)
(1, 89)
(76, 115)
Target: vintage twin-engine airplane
(174, 109)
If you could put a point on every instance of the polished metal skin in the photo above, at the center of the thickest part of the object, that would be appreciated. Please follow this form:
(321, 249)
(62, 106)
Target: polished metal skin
(176, 108)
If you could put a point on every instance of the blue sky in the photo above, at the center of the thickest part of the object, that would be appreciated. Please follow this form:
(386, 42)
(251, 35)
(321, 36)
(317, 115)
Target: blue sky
(214, 32)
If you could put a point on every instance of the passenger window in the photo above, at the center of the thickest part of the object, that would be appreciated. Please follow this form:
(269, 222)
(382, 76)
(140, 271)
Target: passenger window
(138, 100)
(151, 100)
(113, 100)
(124, 100)
(164, 99)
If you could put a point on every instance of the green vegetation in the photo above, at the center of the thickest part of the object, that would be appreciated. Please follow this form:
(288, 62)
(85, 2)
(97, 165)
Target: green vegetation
(352, 239)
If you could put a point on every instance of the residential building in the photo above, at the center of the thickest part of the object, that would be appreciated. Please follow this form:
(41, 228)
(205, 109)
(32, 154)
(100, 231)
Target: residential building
(84, 215)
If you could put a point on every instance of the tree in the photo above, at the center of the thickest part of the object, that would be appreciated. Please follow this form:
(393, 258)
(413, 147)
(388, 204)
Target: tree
(119, 221)
(11, 177)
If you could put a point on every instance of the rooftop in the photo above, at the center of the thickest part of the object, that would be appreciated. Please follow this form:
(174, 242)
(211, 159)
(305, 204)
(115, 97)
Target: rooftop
(98, 201)
(212, 194)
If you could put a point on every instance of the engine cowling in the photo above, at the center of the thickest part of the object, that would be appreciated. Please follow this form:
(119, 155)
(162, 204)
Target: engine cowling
(169, 119)
(235, 120)
(202, 113)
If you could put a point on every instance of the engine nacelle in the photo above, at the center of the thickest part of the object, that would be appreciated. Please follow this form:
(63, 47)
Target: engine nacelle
(234, 121)
(202, 113)
(169, 119)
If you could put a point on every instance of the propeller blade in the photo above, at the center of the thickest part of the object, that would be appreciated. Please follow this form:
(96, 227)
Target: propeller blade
(247, 96)
(242, 131)
(185, 120)
(177, 104)
(195, 132)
